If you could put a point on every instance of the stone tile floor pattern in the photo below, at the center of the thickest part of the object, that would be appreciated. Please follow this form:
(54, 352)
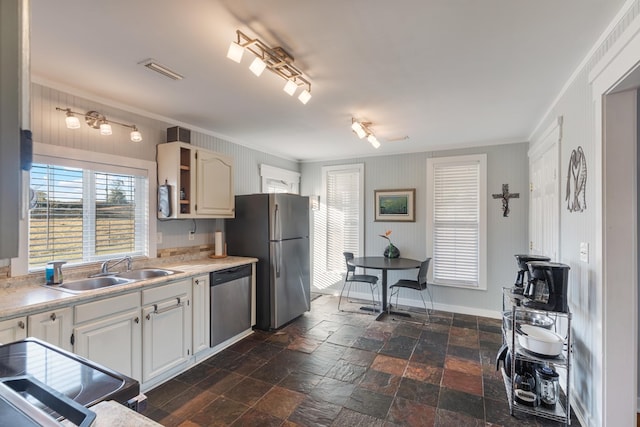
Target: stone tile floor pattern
(343, 368)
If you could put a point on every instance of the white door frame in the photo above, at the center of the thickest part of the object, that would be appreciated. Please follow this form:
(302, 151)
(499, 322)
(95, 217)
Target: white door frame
(615, 263)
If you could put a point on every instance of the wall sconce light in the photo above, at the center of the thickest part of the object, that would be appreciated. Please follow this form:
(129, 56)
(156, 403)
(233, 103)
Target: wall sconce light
(362, 130)
(97, 121)
(275, 59)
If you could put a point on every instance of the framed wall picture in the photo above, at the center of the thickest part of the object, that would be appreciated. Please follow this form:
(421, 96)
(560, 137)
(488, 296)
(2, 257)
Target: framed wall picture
(395, 205)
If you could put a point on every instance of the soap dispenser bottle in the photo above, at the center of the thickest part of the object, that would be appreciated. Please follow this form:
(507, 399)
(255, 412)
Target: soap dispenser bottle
(53, 272)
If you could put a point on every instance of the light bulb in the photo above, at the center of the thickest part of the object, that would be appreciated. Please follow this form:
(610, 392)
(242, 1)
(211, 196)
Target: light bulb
(105, 128)
(136, 136)
(358, 129)
(290, 87)
(373, 140)
(257, 66)
(72, 121)
(235, 52)
(305, 96)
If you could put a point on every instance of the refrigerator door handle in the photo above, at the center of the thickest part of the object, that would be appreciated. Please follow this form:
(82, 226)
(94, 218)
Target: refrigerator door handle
(278, 256)
(277, 229)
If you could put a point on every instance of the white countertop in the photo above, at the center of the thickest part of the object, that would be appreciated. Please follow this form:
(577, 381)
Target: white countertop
(32, 298)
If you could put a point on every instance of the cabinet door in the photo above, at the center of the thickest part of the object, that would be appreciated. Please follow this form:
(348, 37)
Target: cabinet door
(13, 330)
(166, 336)
(114, 342)
(200, 306)
(214, 185)
(54, 327)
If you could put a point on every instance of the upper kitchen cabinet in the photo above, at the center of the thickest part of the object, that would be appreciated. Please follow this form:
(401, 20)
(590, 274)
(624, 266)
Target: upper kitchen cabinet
(201, 182)
(14, 113)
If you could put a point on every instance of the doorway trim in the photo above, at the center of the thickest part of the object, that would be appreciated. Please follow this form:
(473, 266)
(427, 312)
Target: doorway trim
(615, 264)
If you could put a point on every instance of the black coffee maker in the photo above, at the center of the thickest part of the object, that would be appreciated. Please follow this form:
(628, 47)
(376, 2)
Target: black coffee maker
(548, 286)
(522, 260)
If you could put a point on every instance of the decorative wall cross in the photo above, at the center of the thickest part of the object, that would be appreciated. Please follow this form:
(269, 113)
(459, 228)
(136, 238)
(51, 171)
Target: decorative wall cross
(505, 196)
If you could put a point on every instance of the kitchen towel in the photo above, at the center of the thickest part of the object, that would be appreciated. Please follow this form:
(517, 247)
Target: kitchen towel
(218, 243)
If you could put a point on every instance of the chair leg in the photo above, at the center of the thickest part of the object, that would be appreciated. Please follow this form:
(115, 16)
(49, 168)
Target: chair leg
(430, 297)
(342, 292)
(425, 306)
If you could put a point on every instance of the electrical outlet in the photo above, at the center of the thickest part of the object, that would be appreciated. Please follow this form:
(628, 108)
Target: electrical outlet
(158, 238)
(192, 235)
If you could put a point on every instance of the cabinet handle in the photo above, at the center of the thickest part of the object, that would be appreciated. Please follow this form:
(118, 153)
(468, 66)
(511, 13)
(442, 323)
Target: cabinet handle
(137, 319)
(53, 317)
(197, 282)
(148, 316)
(163, 310)
(21, 324)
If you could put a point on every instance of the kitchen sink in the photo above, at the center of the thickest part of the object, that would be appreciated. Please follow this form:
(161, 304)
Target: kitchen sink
(92, 283)
(146, 273)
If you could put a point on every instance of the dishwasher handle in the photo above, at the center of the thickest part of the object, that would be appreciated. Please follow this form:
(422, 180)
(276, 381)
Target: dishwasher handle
(230, 274)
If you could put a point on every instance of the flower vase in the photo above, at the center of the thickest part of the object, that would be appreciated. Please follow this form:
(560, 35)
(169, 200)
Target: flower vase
(392, 251)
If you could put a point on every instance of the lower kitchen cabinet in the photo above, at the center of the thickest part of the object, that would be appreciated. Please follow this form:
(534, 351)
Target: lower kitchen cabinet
(13, 330)
(200, 306)
(54, 327)
(166, 331)
(109, 332)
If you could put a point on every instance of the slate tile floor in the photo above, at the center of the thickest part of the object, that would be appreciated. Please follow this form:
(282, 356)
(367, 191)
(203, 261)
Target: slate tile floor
(332, 368)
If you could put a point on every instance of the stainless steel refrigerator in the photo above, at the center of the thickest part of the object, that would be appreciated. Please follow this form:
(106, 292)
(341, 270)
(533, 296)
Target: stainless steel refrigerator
(275, 229)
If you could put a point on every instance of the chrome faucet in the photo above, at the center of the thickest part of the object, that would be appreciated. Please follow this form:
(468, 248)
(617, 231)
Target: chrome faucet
(105, 265)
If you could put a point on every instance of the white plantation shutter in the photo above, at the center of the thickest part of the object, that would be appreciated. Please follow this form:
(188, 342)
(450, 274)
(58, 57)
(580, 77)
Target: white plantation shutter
(456, 220)
(82, 215)
(344, 214)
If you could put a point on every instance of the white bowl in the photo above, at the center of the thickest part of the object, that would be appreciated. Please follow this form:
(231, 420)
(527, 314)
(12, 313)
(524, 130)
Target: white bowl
(540, 341)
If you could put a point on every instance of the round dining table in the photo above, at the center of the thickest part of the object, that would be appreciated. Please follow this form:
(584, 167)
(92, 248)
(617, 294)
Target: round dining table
(384, 264)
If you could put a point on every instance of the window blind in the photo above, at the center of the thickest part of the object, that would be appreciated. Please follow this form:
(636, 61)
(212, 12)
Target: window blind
(343, 214)
(456, 223)
(81, 215)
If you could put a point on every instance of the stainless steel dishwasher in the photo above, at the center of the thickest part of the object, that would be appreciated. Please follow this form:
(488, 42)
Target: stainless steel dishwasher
(230, 303)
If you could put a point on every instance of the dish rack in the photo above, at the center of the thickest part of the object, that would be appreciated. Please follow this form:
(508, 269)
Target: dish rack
(561, 363)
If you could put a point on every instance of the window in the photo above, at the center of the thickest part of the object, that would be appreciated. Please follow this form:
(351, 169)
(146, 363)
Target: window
(84, 209)
(456, 215)
(338, 224)
(277, 180)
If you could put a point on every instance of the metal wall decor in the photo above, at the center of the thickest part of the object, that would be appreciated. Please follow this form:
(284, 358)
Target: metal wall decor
(577, 181)
(505, 196)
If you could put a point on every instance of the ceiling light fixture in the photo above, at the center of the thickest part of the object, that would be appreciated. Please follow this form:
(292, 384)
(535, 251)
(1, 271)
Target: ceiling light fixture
(275, 59)
(362, 129)
(161, 69)
(97, 121)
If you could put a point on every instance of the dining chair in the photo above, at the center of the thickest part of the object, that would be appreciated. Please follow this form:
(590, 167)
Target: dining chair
(420, 284)
(352, 277)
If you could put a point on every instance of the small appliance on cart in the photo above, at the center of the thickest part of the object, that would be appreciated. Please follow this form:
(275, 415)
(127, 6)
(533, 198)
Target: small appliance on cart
(536, 351)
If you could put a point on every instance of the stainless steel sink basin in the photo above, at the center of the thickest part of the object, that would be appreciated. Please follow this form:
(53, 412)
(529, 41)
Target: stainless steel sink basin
(146, 273)
(92, 283)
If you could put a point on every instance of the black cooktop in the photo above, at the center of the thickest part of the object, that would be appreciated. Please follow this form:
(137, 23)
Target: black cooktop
(83, 381)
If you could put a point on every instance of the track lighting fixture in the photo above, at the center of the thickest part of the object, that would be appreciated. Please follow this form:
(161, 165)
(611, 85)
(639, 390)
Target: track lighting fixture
(275, 59)
(97, 121)
(362, 130)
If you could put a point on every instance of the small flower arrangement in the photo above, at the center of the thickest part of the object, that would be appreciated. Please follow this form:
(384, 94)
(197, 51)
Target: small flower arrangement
(386, 236)
(391, 250)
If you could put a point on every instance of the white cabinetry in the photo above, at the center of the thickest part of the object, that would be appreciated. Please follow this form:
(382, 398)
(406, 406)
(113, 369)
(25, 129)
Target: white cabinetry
(166, 333)
(201, 181)
(13, 330)
(200, 306)
(54, 327)
(109, 332)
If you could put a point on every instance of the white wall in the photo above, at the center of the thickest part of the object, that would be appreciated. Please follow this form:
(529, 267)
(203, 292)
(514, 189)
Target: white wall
(506, 164)
(582, 127)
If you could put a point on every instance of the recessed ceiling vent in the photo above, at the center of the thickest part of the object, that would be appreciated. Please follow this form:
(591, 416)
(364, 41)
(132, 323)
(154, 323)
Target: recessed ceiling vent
(152, 64)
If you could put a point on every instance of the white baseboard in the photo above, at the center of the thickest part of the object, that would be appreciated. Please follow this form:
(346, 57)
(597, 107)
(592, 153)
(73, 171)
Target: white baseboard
(418, 303)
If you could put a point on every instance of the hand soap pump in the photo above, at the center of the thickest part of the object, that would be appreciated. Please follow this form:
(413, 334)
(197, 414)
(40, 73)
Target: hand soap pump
(53, 272)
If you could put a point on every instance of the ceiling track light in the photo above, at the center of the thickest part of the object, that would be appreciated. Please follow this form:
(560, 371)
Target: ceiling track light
(361, 129)
(275, 59)
(96, 120)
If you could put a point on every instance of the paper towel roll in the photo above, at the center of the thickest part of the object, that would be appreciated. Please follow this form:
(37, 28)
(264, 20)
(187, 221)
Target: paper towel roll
(218, 243)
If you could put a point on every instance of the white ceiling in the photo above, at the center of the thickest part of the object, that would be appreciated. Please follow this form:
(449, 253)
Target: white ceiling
(445, 73)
